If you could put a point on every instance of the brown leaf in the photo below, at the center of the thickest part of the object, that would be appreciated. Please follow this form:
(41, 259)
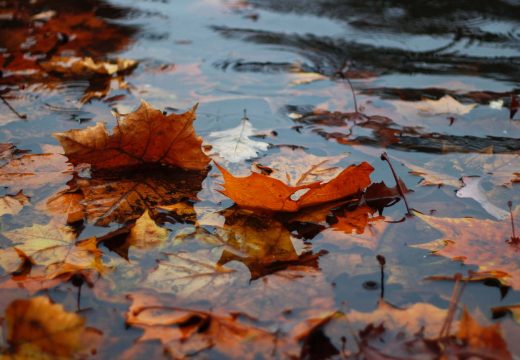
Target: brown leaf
(51, 247)
(146, 234)
(484, 243)
(261, 243)
(184, 331)
(38, 326)
(146, 136)
(485, 341)
(276, 195)
(87, 65)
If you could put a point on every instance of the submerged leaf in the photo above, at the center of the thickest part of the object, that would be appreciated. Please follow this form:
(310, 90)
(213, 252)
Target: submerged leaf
(13, 204)
(37, 328)
(484, 243)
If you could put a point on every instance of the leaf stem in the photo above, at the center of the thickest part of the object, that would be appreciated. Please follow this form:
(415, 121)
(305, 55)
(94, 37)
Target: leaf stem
(514, 239)
(382, 261)
(21, 116)
(343, 76)
(384, 157)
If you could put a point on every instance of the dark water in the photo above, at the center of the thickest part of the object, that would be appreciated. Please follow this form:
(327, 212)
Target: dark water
(257, 55)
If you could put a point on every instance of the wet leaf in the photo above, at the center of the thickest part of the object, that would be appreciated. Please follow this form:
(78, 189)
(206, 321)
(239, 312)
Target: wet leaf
(146, 136)
(146, 234)
(261, 243)
(235, 145)
(484, 243)
(52, 247)
(186, 332)
(13, 204)
(37, 328)
(486, 341)
(279, 197)
(86, 66)
(444, 105)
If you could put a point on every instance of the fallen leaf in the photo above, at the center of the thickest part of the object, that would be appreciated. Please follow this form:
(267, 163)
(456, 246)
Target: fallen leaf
(444, 105)
(35, 171)
(13, 204)
(146, 136)
(196, 276)
(185, 332)
(486, 341)
(277, 196)
(84, 66)
(64, 207)
(261, 243)
(479, 242)
(472, 189)
(53, 247)
(146, 234)
(39, 329)
(235, 145)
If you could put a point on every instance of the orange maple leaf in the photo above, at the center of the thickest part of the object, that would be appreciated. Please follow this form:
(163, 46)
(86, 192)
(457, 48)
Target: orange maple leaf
(477, 241)
(259, 191)
(146, 136)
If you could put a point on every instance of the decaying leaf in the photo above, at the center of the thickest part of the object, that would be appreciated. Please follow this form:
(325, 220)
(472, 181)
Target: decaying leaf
(146, 136)
(39, 329)
(87, 65)
(277, 196)
(13, 204)
(34, 171)
(480, 242)
(235, 145)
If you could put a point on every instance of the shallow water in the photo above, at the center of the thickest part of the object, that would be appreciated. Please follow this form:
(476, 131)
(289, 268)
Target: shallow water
(259, 55)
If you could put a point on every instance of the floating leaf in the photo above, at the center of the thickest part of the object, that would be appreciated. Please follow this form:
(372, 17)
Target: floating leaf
(146, 136)
(277, 196)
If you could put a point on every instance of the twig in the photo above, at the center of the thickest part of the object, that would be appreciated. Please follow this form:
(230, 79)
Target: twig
(382, 261)
(455, 298)
(384, 157)
(343, 76)
(514, 239)
(21, 116)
